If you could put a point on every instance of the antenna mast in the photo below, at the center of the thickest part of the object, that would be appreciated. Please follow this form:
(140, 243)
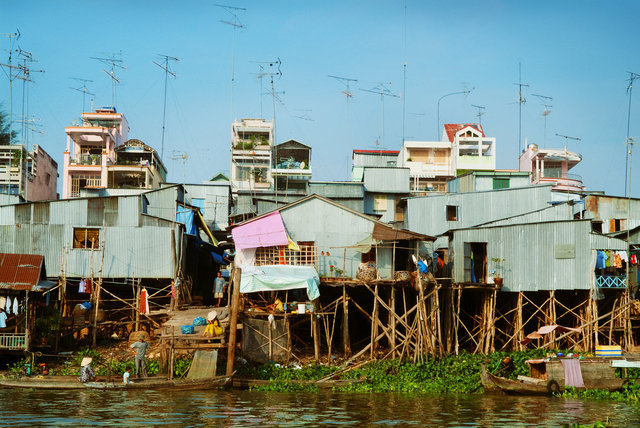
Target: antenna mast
(114, 63)
(383, 91)
(235, 23)
(11, 76)
(348, 95)
(480, 113)
(82, 89)
(521, 101)
(27, 57)
(183, 156)
(167, 72)
(546, 112)
(632, 76)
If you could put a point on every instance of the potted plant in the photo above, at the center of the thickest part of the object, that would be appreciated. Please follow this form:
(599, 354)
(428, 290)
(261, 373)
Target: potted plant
(497, 279)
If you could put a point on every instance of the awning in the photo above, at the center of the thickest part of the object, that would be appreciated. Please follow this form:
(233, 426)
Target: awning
(281, 277)
(23, 272)
(267, 231)
(388, 233)
(546, 330)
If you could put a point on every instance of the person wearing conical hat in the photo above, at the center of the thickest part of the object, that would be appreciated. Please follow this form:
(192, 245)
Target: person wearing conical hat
(86, 372)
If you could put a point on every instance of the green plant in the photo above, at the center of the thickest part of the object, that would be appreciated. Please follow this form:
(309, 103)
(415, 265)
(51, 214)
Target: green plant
(498, 265)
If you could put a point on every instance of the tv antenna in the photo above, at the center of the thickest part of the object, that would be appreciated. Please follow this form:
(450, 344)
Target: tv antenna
(348, 96)
(632, 76)
(273, 71)
(567, 138)
(27, 58)
(82, 89)
(167, 72)
(305, 115)
(235, 23)
(521, 101)
(114, 63)
(383, 91)
(546, 112)
(11, 76)
(181, 156)
(480, 113)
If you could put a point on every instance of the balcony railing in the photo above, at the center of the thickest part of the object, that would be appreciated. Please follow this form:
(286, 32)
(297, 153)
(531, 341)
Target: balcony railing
(13, 341)
(564, 182)
(86, 159)
(611, 281)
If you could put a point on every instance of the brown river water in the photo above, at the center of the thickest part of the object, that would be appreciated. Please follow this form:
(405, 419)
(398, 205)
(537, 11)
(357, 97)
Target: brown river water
(258, 409)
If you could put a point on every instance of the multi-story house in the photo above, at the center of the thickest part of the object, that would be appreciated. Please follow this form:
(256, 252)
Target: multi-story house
(251, 154)
(29, 174)
(551, 166)
(463, 148)
(100, 156)
(291, 166)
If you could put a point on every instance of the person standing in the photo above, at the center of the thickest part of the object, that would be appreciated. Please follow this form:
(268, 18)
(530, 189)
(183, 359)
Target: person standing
(140, 349)
(219, 288)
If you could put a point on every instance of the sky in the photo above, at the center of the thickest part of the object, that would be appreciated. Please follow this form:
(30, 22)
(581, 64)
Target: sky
(578, 53)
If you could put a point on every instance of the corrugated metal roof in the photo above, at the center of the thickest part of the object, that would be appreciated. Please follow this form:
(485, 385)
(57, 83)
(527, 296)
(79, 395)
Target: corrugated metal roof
(20, 271)
(387, 180)
(452, 128)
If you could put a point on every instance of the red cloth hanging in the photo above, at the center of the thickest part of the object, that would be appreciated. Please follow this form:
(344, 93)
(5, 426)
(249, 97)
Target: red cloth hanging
(144, 301)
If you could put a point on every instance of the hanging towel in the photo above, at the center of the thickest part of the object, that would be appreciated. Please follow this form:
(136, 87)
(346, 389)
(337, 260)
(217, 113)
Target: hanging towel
(624, 256)
(572, 373)
(7, 306)
(144, 301)
(3, 301)
(15, 306)
(3, 319)
(81, 286)
(88, 285)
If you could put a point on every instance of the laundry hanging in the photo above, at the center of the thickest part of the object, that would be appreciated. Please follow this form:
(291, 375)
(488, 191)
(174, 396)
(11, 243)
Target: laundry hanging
(144, 301)
(81, 286)
(15, 306)
(7, 307)
(3, 301)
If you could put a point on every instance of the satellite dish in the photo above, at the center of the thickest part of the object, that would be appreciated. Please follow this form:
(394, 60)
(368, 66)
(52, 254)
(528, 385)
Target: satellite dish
(302, 164)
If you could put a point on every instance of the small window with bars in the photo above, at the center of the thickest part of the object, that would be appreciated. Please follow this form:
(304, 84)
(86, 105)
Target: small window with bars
(283, 255)
(84, 237)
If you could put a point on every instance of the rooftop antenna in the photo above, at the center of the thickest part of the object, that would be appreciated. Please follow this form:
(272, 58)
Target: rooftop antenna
(567, 138)
(521, 101)
(383, 91)
(274, 71)
(182, 156)
(260, 75)
(480, 113)
(465, 92)
(632, 76)
(348, 95)
(404, 73)
(546, 112)
(83, 89)
(235, 23)
(27, 57)
(114, 63)
(419, 117)
(305, 115)
(11, 76)
(167, 72)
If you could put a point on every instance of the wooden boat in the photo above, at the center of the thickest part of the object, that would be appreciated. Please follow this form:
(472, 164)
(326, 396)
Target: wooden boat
(547, 377)
(71, 382)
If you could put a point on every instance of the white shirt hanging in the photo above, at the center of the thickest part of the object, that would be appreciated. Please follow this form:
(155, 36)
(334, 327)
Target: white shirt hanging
(7, 307)
(15, 306)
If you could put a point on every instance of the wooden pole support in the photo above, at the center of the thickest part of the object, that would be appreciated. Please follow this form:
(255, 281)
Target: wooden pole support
(233, 319)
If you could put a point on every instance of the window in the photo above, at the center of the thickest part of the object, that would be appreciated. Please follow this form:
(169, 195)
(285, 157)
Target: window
(380, 203)
(452, 213)
(500, 183)
(283, 255)
(86, 238)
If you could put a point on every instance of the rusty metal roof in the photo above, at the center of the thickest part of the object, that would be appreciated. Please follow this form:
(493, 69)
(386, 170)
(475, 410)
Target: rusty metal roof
(20, 271)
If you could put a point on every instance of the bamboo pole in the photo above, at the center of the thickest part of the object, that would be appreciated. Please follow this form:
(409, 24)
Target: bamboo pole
(137, 305)
(345, 322)
(392, 320)
(233, 319)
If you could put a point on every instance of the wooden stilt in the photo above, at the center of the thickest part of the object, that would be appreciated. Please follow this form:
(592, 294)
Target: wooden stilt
(374, 322)
(346, 345)
(233, 318)
(392, 318)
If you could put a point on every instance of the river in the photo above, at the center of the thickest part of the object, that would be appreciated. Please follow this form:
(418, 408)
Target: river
(248, 408)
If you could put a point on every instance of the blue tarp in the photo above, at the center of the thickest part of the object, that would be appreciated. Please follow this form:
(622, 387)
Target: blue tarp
(185, 216)
(281, 277)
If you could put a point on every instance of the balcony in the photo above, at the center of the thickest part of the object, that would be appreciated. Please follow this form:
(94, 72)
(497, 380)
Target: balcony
(86, 159)
(431, 170)
(476, 162)
(566, 182)
(611, 281)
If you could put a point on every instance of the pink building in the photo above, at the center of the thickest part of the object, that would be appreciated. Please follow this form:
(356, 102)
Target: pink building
(551, 166)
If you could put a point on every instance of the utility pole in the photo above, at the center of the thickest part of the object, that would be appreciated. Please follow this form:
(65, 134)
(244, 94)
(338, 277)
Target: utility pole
(632, 76)
(167, 72)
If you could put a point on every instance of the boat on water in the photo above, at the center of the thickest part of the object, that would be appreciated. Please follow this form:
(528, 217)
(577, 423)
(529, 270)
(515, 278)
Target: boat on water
(147, 383)
(548, 376)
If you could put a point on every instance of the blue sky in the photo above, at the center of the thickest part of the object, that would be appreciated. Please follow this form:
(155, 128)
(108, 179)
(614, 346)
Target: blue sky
(576, 52)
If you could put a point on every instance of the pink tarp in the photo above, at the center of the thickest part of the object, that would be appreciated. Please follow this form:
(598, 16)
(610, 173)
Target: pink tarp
(267, 231)
(546, 330)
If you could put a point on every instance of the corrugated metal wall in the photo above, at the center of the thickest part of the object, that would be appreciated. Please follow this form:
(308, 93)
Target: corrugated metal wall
(528, 251)
(428, 214)
(216, 202)
(550, 213)
(332, 229)
(387, 180)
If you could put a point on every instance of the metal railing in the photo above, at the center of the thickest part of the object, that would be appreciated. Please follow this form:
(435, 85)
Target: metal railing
(13, 341)
(86, 159)
(611, 281)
